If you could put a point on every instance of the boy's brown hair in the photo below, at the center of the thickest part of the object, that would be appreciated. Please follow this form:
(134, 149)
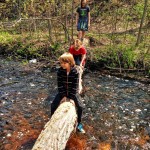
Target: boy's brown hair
(68, 58)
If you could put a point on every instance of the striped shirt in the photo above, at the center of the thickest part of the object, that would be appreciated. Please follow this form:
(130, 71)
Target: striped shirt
(68, 84)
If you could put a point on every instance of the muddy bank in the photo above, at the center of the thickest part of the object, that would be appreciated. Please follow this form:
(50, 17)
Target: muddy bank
(96, 61)
(140, 75)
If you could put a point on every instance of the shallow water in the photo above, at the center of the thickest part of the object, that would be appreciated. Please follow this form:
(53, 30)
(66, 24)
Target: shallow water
(117, 111)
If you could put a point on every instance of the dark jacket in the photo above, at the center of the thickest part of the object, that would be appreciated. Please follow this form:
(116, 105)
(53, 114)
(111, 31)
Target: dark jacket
(68, 84)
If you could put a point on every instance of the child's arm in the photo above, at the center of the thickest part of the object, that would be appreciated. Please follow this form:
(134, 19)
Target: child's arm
(89, 19)
(77, 18)
(83, 52)
(75, 83)
(61, 87)
(82, 59)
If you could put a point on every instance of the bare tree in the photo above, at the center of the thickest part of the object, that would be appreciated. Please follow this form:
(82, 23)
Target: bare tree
(72, 19)
(49, 23)
(65, 20)
(141, 24)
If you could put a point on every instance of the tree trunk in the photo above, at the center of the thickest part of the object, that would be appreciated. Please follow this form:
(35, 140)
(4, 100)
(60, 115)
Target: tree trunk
(49, 23)
(58, 130)
(49, 30)
(141, 24)
(65, 20)
(72, 20)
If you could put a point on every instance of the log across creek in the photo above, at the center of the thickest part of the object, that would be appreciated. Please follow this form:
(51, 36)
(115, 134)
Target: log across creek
(58, 129)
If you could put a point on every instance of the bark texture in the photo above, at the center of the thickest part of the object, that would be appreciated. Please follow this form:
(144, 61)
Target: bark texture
(57, 131)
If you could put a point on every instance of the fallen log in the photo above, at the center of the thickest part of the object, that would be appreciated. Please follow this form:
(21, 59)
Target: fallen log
(57, 131)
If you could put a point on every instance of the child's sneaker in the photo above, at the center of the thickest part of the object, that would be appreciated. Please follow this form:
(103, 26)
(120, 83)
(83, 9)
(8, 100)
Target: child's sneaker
(80, 128)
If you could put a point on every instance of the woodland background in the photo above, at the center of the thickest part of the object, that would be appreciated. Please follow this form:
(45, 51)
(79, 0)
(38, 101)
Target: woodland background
(118, 39)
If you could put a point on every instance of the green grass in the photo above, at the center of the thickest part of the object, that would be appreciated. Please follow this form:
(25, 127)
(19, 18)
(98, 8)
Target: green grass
(121, 51)
(6, 37)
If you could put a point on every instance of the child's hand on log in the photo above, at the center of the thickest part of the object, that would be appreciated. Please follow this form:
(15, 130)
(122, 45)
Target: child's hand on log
(72, 101)
(63, 100)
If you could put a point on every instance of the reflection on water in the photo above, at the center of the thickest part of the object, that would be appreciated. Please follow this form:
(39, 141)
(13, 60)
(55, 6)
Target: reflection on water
(116, 114)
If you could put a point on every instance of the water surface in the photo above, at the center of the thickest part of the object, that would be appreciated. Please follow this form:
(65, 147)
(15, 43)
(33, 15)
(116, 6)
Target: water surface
(117, 111)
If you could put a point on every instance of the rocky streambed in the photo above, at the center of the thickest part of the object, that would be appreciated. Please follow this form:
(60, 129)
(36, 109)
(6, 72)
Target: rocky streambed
(116, 114)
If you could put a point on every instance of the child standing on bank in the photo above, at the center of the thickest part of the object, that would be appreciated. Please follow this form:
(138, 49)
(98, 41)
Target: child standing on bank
(82, 19)
(68, 80)
(79, 53)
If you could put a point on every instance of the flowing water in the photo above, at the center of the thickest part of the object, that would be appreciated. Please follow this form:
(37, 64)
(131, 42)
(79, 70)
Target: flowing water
(116, 113)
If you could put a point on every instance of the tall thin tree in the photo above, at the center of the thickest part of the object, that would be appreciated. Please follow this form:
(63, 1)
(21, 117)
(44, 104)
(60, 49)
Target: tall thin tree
(65, 20)
(142, 22)
(72, 19)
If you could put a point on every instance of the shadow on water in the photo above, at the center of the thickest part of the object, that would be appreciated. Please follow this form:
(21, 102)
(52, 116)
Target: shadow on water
(116, 115)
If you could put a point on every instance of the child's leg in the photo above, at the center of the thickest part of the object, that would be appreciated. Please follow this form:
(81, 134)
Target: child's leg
(79, 29)
(77, 61)
(79, 106)
(79, 34)
(79, 113)
(85, 28)
(83, 35)
(55, 103)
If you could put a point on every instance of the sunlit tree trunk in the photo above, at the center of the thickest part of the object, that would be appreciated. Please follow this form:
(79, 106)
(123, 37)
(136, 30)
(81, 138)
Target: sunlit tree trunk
(141, 24)
(33, 20)
(72, 19)
(49, 23)
(127, 22)
(65, 20)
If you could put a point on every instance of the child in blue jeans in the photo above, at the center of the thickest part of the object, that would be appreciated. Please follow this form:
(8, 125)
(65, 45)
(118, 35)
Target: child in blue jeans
(67, 80)
(79, 53)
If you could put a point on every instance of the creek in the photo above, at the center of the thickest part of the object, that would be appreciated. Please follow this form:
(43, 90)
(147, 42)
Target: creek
(116, 113)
